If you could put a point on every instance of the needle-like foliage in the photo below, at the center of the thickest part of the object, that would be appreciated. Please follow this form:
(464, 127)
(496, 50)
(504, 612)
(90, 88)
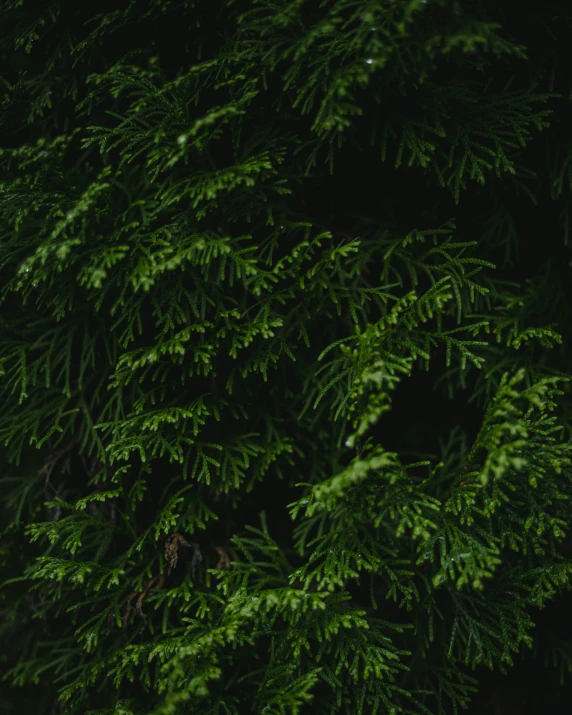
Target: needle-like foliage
(284, 354)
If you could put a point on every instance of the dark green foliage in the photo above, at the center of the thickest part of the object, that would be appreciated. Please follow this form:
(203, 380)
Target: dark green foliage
(284, 352)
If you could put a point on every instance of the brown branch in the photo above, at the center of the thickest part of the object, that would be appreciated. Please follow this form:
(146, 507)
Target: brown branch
(146, 586)
(224, 561)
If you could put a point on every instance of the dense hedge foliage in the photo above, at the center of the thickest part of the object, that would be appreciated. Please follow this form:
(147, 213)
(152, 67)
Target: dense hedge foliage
(284, 356)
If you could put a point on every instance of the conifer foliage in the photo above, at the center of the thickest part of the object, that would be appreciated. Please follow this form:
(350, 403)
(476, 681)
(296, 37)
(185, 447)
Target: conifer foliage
(284, 352)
